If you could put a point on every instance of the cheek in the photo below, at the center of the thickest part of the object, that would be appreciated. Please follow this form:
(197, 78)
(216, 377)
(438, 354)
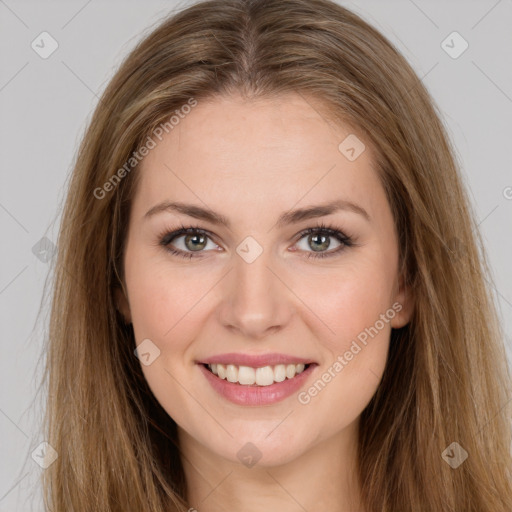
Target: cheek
(349, 300)
(355, 304)
(165, 307)
(161, 298)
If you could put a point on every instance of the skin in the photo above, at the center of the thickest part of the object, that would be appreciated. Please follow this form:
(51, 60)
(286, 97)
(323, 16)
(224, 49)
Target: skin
(252, 160)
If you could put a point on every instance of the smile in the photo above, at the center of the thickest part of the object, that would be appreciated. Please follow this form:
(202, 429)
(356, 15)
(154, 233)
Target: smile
(248, 376)
(256, 386)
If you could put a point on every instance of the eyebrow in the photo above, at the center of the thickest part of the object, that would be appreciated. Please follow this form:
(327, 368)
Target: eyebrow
(286, 218)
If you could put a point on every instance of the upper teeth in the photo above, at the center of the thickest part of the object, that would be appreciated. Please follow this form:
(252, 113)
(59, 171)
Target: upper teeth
(260, 376)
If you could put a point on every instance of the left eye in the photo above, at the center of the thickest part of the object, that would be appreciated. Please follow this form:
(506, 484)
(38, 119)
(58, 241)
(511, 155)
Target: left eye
(320, 237)
(320, 241)
(195, 240)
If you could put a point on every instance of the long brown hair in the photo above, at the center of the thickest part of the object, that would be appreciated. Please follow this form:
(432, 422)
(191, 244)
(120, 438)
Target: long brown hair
(446, 378)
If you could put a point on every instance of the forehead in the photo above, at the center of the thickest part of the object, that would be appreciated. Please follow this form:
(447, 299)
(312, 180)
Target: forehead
(241, 153)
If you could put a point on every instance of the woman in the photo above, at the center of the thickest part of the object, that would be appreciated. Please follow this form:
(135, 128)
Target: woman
(268, 289)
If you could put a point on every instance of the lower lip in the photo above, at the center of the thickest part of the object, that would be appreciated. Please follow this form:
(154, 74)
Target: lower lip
(257, 395)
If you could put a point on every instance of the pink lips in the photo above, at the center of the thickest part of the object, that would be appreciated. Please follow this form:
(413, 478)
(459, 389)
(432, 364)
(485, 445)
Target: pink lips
(256, 395)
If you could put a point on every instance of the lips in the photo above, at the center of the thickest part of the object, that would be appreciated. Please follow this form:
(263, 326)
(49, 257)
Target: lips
(263, 381)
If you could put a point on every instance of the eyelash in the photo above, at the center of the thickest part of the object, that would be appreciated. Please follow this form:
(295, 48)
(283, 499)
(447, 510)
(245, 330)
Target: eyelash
(168, 236)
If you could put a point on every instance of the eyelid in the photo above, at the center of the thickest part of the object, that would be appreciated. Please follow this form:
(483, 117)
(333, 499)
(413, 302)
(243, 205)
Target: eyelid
(183, 230)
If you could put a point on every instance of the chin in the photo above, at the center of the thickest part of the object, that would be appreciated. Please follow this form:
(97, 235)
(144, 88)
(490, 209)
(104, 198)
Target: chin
(264, 447)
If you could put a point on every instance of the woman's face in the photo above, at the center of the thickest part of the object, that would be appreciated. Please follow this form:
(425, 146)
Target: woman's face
(252, 290)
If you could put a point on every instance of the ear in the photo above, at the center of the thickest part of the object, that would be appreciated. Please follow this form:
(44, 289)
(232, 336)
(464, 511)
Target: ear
(404, 298)
(122, 304)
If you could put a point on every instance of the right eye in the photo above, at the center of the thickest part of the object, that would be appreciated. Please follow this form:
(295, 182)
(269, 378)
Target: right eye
(192, 240)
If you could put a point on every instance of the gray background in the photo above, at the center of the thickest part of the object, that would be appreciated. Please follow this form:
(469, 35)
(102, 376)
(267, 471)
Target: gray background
(46, 103)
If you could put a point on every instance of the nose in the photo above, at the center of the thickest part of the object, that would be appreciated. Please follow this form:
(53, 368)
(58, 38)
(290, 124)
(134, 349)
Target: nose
(255, 300)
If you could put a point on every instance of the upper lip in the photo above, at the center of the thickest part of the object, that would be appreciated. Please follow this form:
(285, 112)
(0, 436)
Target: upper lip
(255, 361)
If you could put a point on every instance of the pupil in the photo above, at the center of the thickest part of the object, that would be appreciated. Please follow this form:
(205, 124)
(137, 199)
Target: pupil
(323, 243)
(194, 246)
